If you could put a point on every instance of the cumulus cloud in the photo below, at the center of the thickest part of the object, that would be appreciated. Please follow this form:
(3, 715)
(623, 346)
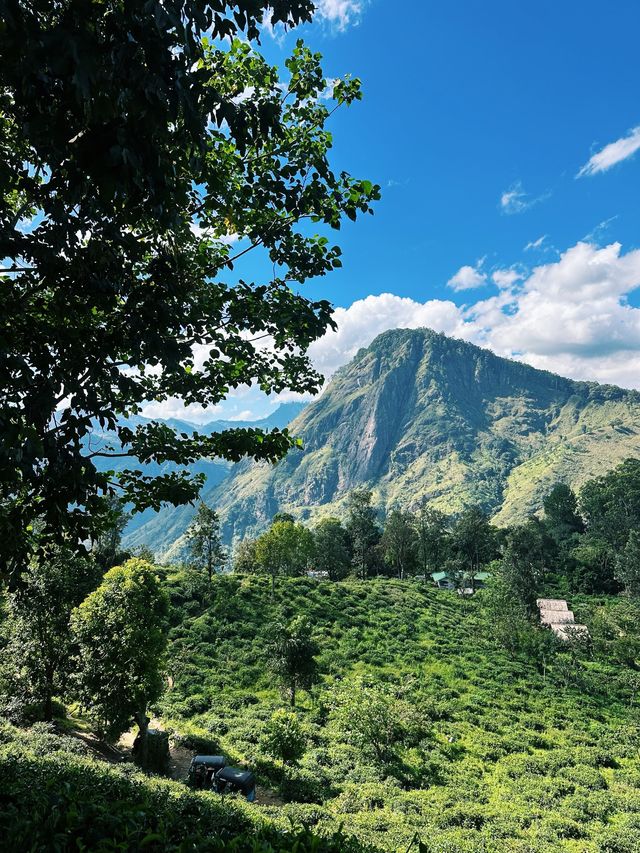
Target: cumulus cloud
(506, 278)
(467, 278)
(612, 154)
(571, 316)
(359, 324)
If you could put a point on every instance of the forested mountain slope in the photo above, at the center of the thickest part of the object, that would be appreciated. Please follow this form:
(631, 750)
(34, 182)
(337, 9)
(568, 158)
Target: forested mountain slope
(418, 416)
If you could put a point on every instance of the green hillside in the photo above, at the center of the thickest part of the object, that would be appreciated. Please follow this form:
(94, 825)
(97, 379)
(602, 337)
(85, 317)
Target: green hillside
(482, 750)
(417, 416)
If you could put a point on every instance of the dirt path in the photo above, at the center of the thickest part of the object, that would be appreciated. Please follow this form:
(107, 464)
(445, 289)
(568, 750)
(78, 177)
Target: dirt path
(179, 761)
(267, 797)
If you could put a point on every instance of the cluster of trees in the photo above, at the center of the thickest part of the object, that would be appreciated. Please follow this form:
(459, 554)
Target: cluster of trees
(72, 631)
(407, 544)
(585, 543)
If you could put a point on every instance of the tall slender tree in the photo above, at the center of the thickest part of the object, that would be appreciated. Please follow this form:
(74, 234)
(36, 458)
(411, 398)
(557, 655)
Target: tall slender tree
(363, 529)
(204, 541)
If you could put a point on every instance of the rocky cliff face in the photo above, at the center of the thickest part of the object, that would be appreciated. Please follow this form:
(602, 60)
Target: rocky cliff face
(419, 416)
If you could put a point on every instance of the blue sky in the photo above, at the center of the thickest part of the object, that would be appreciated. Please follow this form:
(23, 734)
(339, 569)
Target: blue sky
(480, 122)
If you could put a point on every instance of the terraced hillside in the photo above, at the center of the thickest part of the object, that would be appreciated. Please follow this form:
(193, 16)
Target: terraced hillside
(482, 750)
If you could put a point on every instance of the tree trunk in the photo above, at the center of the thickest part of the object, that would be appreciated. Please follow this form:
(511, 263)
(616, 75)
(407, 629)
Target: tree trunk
(47, 707)
(143, 725)
(292, 695)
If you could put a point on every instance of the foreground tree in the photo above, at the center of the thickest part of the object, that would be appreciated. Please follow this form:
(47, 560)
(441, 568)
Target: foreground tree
(292, 656)
(204, 542)
(284, 738)
(363, 530)
(140, 162)
(40, 640)
(120, 631)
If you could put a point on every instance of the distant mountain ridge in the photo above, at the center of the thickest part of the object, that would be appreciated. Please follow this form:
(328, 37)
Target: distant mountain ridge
(159, 528)
(417, 415)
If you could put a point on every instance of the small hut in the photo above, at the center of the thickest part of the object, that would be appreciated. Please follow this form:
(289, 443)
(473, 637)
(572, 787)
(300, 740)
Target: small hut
(555, 614)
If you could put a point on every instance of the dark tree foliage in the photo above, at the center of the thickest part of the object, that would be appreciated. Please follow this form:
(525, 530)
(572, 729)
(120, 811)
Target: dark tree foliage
(134, 154)
(473, 539)
(433, 542)
(611, 504)
(292, 656)
(523, 564)
(363, 530)
(331, 548)
(106, 549)
(40, 640)
(561, 513)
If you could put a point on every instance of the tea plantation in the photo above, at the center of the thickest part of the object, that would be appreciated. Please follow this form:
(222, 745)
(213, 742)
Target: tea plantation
(421, 731)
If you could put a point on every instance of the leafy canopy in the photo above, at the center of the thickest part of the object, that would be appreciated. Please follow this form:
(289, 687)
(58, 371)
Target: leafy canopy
(139, 162)
(120, 631)
(292, 656)
(204, 542)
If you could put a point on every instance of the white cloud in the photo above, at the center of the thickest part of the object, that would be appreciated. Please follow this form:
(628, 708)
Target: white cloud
(611, 154)
(359, 324)
(516, 200)
(340, 14)
(467, 278)
(597, 233)
(535, 244)
(506, 278)
(175, 408)
(571, 316)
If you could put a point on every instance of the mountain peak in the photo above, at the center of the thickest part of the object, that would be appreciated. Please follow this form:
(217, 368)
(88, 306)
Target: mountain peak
(420, 416)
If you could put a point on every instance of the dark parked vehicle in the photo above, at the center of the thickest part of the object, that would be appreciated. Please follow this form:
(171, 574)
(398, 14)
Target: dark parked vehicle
(203, 770)
(236, 780)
